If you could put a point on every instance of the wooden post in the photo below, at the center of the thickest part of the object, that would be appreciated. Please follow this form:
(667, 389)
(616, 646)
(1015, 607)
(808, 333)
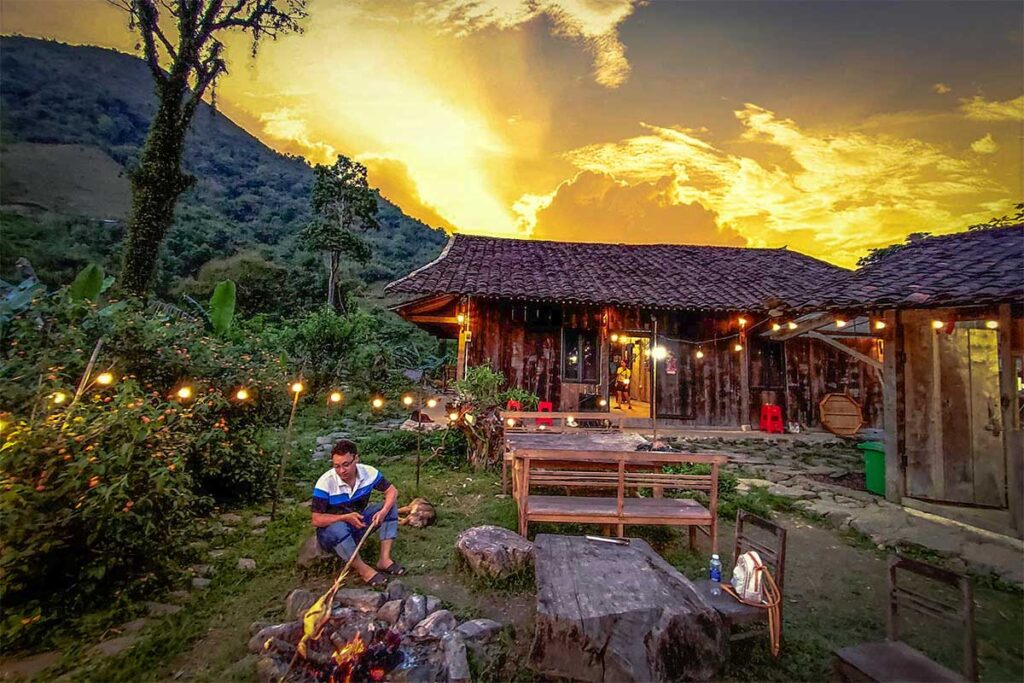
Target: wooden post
(894, 480)
(744, 382)
(1013, 436)
(714, 509)
(620, 495)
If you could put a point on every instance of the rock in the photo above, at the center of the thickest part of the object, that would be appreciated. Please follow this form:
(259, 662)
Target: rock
(479, 629)
(259, 520)
(433, 603)
(435, 625)
(455, 657)
(494, 552)
(219, 552)
(201, 583)
(290, 631)
(792, 492)
(998, 559)
(134, 626)
(201, 569)
(179, 595)
(310, 553)
(114, 646)
(390, 611)
(823, 470)
(160, 609)
(231, 518)
(763, 483)
(269, 670)
(246, 564)
(397, 591)
(414, 610)
(258, 531)
(361, 599)
(620, 613)
(27, 667)
(297, 602)
(257, 626)
(839, 473)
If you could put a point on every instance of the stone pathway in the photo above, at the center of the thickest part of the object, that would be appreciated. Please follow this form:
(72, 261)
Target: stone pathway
(783, 468)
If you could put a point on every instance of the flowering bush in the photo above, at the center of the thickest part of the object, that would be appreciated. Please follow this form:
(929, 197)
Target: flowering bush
(93, 496)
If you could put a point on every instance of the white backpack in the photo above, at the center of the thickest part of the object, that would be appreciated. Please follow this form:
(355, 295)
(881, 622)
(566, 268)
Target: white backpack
(747, 577)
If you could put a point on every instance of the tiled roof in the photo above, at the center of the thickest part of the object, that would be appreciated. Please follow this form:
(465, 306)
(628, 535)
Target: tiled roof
(977, 267)
(650, 276)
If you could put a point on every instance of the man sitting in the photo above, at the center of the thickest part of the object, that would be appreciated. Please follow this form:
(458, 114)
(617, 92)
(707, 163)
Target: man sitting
(342, 513)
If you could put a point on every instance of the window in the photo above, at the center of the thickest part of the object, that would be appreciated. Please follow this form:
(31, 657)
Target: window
(579, 356)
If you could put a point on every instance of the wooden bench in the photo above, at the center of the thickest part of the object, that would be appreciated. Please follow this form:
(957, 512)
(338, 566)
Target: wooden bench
(622, 471)
(566, 421)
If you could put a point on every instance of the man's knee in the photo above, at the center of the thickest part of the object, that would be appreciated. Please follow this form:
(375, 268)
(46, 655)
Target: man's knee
(330, 536)
(392, 515)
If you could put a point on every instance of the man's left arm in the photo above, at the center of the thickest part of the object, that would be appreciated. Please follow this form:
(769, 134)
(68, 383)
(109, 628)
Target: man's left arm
(390, 498)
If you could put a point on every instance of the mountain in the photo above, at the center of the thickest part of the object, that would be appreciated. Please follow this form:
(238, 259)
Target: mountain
(73, 119)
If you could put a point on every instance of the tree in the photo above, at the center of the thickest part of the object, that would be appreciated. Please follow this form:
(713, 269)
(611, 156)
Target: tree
(1002, 221)
(342, 203)
(193, 55)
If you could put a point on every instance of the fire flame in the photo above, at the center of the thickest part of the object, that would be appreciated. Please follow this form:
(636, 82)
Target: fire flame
(346, 657)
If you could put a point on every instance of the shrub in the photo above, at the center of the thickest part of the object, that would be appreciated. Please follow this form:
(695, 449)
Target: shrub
(91, 505)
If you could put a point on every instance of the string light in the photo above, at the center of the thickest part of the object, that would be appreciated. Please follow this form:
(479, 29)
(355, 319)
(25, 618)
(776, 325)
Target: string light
(776, 327)
(699, 354)
(992, 324)
(431, 402)
(185, 393)
(791, 325)
(737, 347)
(104, 378)
(461, 318)
(840, 322)
(453, 416)
(407, 400)
(742, 321)
(335, 397)
(659, 352)
(603, 402)
(242, 394)
(938, 324)
(879, 324)
(377, 402)
(510, 422)
(614, 338)
(59, 397)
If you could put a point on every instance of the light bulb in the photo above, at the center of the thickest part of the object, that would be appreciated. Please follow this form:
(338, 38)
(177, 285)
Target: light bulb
(776, 327)
(510, 422)
(879, 324)
(59, 397)
(840, 322)
(603, 402)
(614, 338)
(378, 402)
(992, 324)
(699, 354)
(431, 402)
(461, 318)
(453, 416)
(791, 325)
(185, 393)
(737, 347)
(938, 324)
(335, 397)
(242, 394)
(297, 388)
(407, 400)
(104, 378)
(742, 321)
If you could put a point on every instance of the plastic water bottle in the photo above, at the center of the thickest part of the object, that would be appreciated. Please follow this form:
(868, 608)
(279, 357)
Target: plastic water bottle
(716, 575)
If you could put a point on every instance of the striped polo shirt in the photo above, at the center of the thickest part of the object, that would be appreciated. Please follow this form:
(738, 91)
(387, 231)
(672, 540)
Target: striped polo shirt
(333, 496)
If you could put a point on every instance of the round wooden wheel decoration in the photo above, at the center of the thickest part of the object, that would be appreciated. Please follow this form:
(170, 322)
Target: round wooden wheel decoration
(840, 414)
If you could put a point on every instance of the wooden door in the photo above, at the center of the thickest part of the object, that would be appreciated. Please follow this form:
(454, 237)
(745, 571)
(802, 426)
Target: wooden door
(675, 381)
(954, 431)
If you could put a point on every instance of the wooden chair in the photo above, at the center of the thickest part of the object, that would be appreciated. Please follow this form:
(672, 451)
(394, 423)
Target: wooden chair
(896, 661)
(770, 544)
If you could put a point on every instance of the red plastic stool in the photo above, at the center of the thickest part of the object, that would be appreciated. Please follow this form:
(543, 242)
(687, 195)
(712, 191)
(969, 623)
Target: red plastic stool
(545, 407)
(771, 419)
(513, 405)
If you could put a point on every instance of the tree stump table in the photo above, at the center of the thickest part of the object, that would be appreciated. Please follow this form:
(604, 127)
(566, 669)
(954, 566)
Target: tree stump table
(610, 612)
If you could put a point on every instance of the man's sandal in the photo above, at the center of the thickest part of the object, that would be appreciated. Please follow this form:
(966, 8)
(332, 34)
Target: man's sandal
(378, 580)
(394, 569)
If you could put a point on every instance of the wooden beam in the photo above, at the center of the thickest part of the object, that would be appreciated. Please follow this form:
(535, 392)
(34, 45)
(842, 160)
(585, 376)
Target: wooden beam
(894, 481)
(867, 360)
(806, 326)
(433, 319)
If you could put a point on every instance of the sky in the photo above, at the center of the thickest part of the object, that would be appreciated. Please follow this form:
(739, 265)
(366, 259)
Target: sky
(827, 127)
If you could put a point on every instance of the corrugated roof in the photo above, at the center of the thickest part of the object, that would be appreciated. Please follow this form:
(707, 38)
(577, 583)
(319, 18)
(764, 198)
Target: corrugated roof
(649, 276)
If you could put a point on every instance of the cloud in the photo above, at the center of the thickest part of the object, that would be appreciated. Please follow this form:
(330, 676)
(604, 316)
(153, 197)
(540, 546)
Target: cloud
(287, 126)
(979, 109)
(832, 193)
(985, 145)
(591, 23)
(941, 88)
(596, 207)
(391, 177)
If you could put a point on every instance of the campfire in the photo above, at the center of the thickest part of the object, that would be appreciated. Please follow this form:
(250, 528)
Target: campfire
(370, 637)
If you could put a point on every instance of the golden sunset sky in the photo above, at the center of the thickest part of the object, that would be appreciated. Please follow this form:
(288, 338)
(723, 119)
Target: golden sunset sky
(827, 127)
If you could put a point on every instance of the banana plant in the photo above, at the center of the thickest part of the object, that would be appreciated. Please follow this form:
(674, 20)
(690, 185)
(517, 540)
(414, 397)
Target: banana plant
(222, 307)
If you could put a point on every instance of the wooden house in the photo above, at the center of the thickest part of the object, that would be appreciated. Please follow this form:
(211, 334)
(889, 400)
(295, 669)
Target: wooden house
(950, 312)
(693, 324)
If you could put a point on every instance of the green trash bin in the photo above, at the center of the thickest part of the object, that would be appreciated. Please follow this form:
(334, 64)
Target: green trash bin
(874, 466)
